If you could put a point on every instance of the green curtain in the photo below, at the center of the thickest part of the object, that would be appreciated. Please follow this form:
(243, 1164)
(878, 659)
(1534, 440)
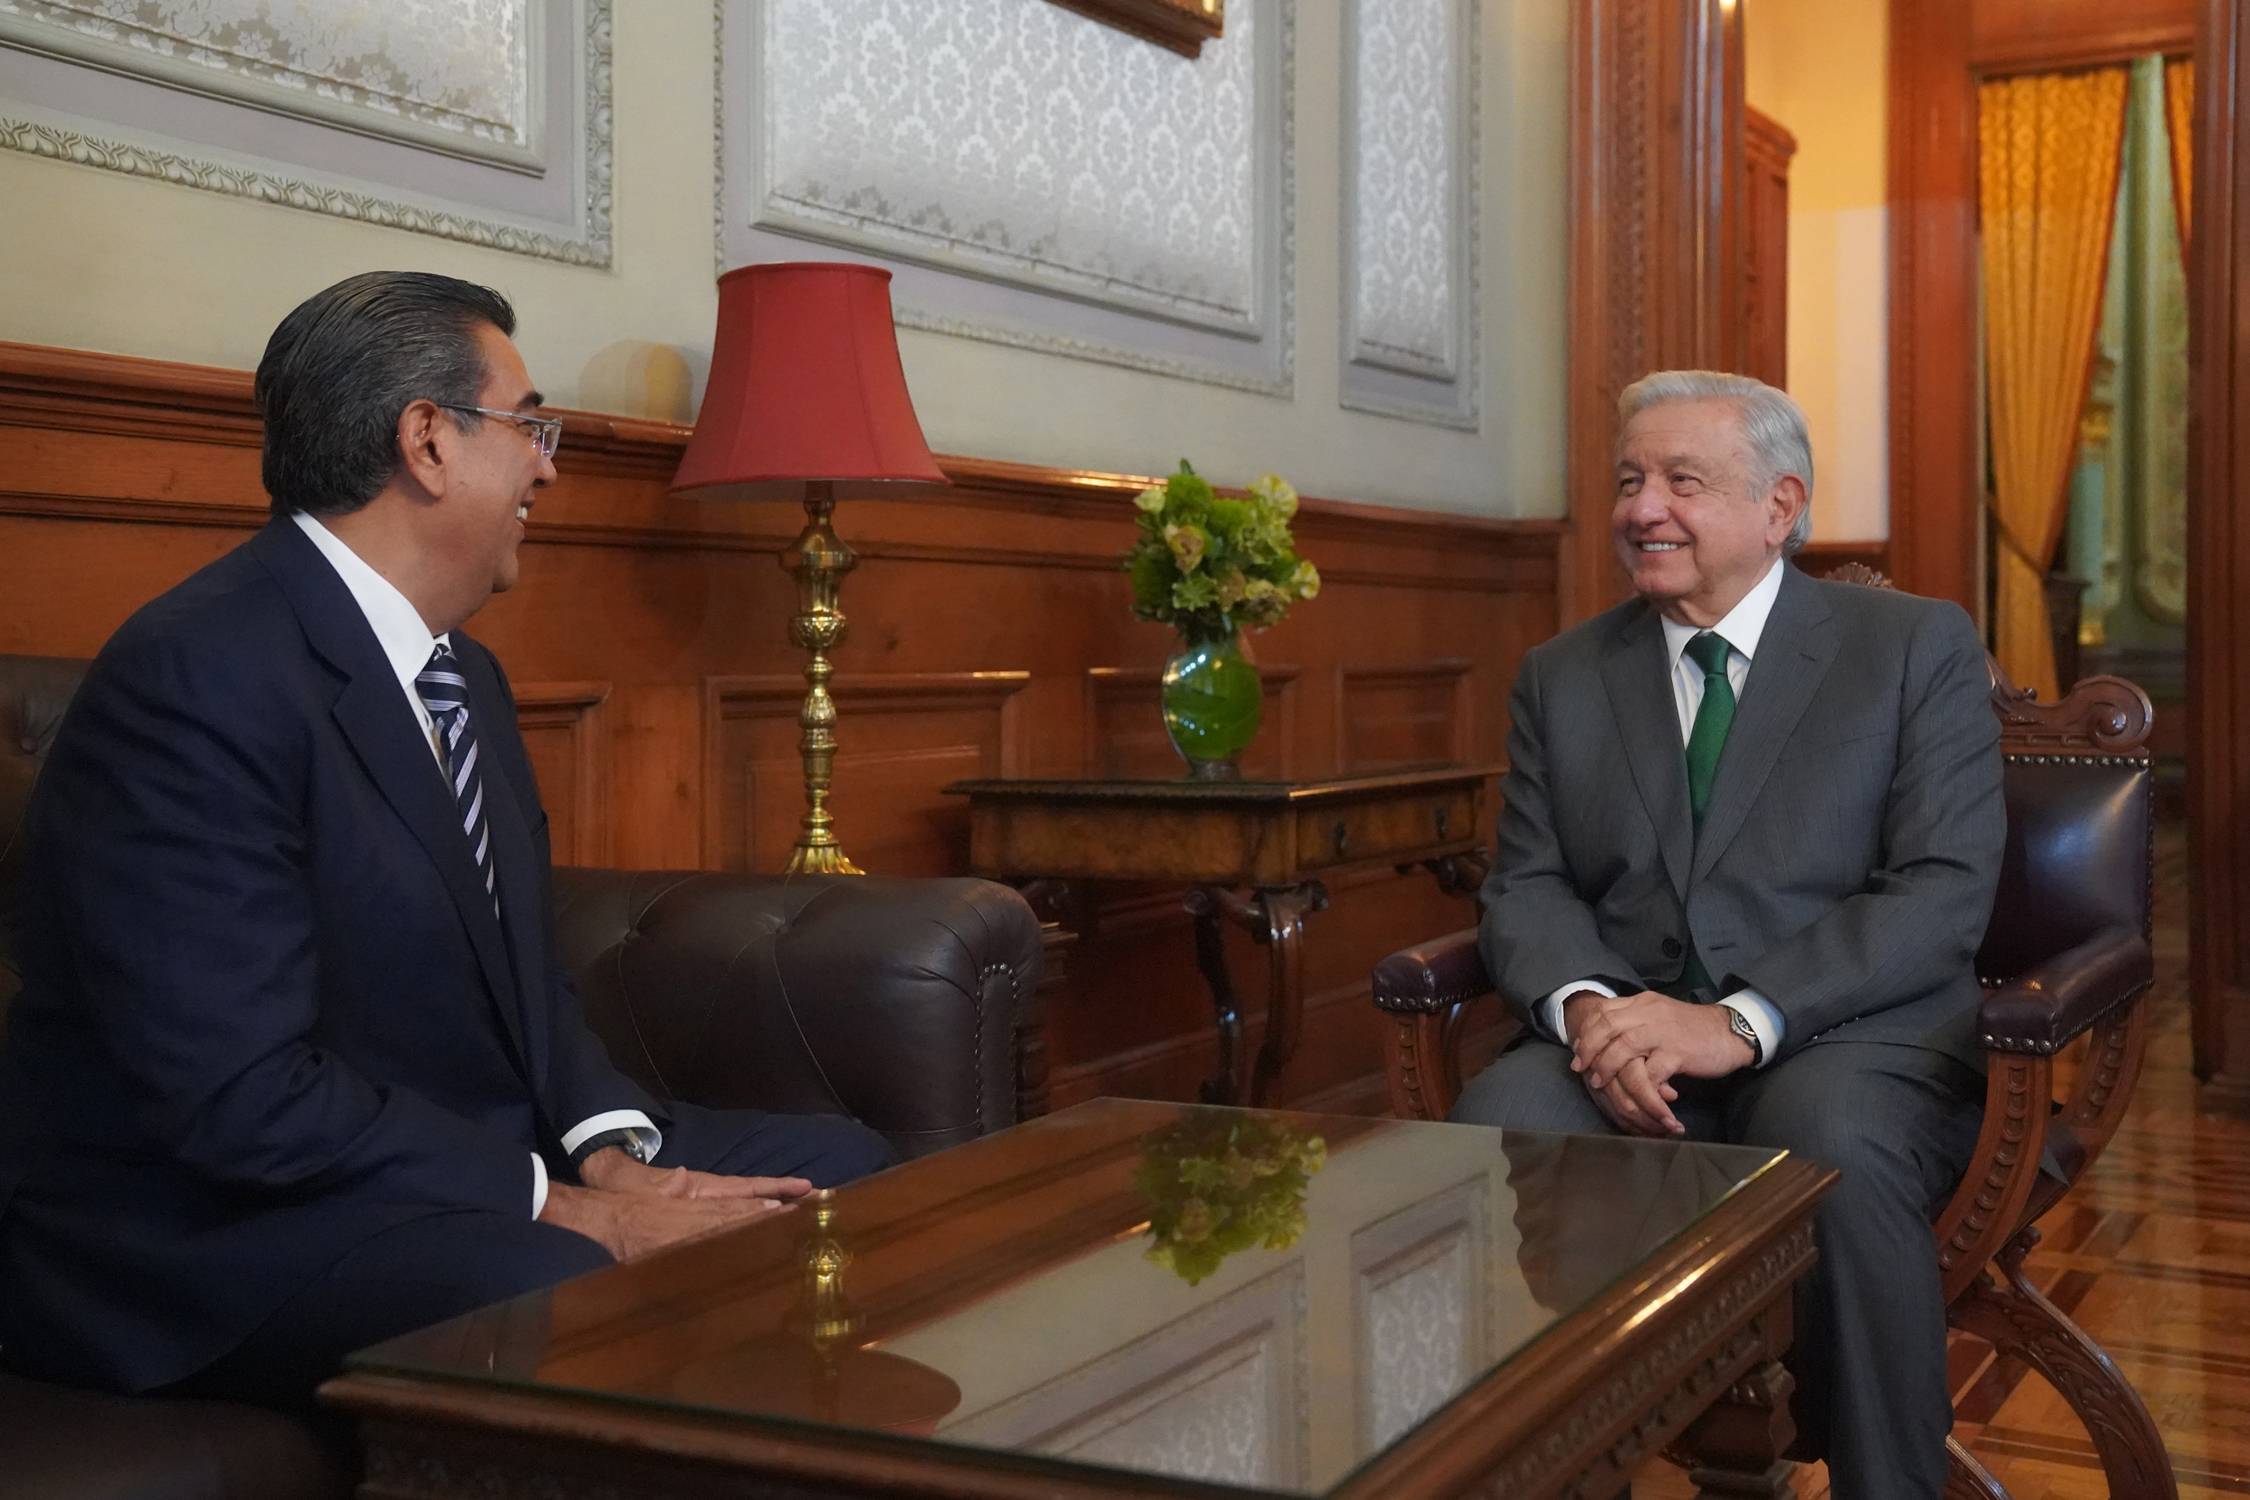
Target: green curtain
(2128, 523)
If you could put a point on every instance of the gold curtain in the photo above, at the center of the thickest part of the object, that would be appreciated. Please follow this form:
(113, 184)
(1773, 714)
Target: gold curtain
(2179, 120)
(2048, 147)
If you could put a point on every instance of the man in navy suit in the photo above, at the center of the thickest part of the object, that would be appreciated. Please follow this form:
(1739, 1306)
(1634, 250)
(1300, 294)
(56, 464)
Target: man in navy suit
(295, 1066)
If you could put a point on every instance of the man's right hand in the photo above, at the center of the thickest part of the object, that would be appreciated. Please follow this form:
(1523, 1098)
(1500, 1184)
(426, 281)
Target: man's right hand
(630, 1225)
(1632, 1101)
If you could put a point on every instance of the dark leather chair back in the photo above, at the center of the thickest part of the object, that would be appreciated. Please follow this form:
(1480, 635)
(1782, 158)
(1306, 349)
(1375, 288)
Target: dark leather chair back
(2080, 856)
(34, 691)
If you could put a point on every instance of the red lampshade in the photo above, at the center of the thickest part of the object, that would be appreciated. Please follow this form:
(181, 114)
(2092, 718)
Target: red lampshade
(805, 384)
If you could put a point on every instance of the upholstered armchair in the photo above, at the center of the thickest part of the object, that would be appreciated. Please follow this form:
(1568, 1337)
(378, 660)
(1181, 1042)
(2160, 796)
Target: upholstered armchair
(2066, 955)
(894, 1001)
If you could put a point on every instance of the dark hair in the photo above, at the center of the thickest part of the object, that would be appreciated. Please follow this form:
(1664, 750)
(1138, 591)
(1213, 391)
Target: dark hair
(346, 362)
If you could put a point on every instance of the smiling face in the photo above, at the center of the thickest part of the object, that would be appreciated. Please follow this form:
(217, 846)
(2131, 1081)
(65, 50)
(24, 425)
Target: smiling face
(1695, 523)
(500, 469)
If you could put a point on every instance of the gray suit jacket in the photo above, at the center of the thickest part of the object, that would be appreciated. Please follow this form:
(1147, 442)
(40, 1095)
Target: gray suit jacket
(1846, 865)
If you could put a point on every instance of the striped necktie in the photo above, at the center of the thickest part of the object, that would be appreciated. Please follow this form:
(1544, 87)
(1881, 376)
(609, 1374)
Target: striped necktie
(446, 694)
(1714, 716)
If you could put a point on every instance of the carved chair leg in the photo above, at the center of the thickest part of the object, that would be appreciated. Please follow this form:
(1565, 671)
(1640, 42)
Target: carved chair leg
(2017, 1319)
(1966, 1479)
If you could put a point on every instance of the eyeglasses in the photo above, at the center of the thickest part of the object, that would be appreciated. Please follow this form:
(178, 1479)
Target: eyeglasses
(545, 431)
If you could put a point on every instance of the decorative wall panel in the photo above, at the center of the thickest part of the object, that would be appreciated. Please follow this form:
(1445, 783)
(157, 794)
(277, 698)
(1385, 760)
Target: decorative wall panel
(1032, 176)
(1416, 714)
(569, 748)
(1410, 212)
(479, 120)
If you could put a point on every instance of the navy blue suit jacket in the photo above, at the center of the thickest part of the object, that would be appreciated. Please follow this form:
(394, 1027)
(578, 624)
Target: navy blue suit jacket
(267, 1010)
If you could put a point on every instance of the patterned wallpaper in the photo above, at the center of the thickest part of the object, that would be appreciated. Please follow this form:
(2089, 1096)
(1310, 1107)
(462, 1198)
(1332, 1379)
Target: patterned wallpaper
(460, 67)
(1020, 139)
(486, 121)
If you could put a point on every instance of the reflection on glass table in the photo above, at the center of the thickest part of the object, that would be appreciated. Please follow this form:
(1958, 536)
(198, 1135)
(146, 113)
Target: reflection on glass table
(1004, 1295)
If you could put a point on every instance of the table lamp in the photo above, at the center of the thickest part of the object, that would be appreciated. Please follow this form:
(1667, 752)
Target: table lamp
(806, 393)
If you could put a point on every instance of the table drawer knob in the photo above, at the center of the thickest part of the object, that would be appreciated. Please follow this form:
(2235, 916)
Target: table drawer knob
(1341, 837)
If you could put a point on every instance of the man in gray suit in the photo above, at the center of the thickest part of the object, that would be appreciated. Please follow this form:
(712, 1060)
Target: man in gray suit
(1752, 825)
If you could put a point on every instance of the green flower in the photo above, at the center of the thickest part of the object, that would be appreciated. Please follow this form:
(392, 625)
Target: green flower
(1278, 494)
(1187, 544)
(1150, 500)
(1305, 580)
(1218, 1183)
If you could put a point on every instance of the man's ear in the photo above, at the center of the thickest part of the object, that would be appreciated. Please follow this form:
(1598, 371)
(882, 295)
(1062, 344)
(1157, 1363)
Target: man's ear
(1787, 498)
(424, 439)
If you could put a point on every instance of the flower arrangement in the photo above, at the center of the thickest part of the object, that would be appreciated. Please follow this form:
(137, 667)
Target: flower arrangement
(1208, 563)
(1220, 1181)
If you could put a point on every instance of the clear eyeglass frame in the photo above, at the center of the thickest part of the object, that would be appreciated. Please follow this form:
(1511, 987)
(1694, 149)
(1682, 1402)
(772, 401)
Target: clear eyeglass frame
(545, 431)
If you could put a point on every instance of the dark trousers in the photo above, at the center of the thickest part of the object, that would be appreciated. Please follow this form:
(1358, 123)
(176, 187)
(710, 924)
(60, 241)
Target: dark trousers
(430, 1269)
(1900, 1123)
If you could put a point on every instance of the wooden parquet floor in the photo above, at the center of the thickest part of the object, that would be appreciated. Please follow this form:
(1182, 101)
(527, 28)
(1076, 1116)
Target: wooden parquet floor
(2151, 1255)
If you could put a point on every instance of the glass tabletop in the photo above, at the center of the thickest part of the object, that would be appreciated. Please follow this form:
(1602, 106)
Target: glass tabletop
(1256, 1299)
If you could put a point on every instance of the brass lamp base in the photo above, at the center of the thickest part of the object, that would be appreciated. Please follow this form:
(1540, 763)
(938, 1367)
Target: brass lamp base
(819, 559)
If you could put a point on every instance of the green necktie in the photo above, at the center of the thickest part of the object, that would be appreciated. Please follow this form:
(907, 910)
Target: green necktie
(1704, 743)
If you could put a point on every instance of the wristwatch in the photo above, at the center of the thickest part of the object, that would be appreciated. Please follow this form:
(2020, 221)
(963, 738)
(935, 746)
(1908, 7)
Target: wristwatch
(1749, 1033)
(625, 1138)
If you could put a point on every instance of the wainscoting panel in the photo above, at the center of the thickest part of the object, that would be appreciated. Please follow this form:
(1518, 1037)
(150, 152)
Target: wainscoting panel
(990, 633)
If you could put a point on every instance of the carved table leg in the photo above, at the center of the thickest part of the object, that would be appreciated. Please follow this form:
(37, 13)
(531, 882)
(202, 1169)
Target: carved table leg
(1738, 1443)
(1281, 929)
(1207, 904)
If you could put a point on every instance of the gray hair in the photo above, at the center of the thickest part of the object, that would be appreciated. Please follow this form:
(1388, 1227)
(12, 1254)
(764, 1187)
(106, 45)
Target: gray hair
(1773, 424)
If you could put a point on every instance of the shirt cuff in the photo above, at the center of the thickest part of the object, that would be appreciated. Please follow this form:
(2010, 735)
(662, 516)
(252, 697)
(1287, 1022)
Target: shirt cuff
(538, 1186)
(615, 1119)
(1551, 1008)
(1764, 1018)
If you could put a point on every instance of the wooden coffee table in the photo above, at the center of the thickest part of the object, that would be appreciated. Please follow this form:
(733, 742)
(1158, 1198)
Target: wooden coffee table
(1133, 1298)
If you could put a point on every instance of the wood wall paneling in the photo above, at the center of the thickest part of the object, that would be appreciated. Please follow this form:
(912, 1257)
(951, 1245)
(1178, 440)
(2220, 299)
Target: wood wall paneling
(2219, 559)
(1767, 148)
(989, 632)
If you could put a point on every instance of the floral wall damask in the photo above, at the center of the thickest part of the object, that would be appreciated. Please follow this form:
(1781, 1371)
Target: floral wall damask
(478, 120)
(457, 66)
(1109, 199)
(1411, 223)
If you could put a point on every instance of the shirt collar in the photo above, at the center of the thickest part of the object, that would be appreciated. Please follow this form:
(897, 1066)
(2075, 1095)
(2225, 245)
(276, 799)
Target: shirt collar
(406, 641)
(1741, 627)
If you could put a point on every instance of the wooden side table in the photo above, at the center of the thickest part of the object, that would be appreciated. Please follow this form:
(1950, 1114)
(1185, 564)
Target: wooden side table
(1254, 853)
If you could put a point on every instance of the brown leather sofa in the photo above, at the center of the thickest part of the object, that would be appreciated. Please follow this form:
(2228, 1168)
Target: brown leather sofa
(890, 1000)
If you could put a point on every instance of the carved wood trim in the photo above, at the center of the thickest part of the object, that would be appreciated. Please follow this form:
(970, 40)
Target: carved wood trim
(1982, 1216)
(1422, 1065)
(1656, 163)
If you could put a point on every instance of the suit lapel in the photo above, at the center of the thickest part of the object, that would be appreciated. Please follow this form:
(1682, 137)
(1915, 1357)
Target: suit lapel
(1793, 656)
(1641, 703)
(383, 734)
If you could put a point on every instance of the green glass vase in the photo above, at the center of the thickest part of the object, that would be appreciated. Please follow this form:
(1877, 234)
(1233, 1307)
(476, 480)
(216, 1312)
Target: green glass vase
(1212, 700)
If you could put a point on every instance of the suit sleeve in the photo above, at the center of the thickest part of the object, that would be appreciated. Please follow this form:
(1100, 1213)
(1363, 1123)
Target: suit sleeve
(179, 883)
(1537, 932)
(583, 1084)
(1917, 924)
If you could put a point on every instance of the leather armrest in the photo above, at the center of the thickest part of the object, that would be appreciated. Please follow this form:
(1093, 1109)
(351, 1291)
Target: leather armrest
(2041, 1010)
(893, 1001)
(1433, 975)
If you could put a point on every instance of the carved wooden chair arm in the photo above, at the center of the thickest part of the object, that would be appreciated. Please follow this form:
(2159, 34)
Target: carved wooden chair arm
(1432, 976)
(2040, 1011)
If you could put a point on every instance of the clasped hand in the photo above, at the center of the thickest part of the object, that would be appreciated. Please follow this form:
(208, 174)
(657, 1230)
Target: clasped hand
(631, 1209)
(1628, 1048)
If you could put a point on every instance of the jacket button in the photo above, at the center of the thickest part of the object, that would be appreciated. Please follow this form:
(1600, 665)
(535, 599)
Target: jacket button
(1671, 947)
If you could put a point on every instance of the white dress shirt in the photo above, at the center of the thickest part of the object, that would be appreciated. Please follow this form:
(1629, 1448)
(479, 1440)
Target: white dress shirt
(1740, 629)
(406, 643)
